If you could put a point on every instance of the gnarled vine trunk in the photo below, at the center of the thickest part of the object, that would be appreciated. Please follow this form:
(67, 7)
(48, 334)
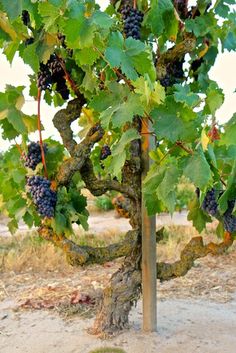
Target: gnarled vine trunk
(125, 286)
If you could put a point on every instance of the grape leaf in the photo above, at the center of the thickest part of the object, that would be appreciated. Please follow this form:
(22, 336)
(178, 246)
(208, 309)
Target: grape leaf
(197, 215)
(228, 137)
(13, 8)
(169, 122)
(183, 94)
(215, 98)
(198, 170)
(128, 136)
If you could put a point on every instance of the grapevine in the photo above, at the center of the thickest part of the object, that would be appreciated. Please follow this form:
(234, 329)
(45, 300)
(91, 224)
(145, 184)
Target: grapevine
(126, 67)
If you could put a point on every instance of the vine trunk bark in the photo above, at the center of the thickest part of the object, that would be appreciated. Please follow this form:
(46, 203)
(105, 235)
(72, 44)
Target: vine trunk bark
(125, 285)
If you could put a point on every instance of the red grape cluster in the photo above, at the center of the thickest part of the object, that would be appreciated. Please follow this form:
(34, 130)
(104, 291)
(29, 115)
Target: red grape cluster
(43, 197)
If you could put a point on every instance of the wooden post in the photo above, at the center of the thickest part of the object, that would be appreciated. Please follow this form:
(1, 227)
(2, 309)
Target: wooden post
(148, 243)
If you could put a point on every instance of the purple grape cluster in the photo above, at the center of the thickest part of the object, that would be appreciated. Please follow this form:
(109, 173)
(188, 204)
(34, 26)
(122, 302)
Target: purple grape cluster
(105, 152)
(209, 204)
(229, 220)
(43, 197)
(58, 76)
(174, 73)
(44, 77)
(33, 157)
(25, 17)
(50, 73)
(132, 21)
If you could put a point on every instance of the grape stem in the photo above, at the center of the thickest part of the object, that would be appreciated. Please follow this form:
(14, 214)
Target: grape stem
(40, 135)
(135, 4)
(19, 149)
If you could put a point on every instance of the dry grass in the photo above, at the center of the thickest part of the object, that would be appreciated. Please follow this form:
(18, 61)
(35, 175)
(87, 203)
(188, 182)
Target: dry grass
(29, 253)
(176, 237)
(108, 350)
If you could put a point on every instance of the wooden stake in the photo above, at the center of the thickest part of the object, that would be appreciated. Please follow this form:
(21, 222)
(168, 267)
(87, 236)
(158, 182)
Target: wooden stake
(148, 243)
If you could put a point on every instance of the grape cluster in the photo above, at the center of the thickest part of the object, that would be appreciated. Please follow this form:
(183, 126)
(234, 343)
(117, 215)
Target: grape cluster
(105, 152)
(29, 41)
(210, 203)
(50, 73)
(229, 219)
(43, 197)
(33, 157)
(44, 77)
(25, 17)
(174, 73)
(58, 76)
(132, 21)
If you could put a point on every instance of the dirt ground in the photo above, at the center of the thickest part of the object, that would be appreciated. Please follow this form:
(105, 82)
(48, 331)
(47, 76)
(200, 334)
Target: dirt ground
(50, 311)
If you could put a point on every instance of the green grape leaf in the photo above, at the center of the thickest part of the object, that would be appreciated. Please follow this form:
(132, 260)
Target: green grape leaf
(150, 94)
(197, 215)
(86, 56)
(101, 19)
(198, 170)
(201, 25)
(127, 110)
(228, 137)
(214, 99)
(15, 118)
(161, 19)
(116, 164)
(169, 121)
(13, 8)
(183, 94)
(128, 136)
(166, 188)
